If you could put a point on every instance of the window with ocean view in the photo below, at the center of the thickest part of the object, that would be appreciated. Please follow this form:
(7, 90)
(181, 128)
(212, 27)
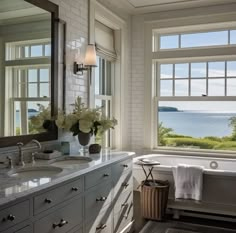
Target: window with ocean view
(28, 78)
(197, 124)
(195, 96)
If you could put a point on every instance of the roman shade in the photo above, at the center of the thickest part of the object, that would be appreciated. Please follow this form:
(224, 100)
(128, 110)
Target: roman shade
(105, 41)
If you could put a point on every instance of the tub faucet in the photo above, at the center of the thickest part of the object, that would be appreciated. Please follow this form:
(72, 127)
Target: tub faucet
(21, 158)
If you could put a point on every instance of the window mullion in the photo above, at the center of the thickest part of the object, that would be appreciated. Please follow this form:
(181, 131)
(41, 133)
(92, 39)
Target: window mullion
(173, 92)
(207, 75)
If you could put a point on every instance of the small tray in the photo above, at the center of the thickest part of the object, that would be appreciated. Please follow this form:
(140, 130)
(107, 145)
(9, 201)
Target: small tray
(147, 162)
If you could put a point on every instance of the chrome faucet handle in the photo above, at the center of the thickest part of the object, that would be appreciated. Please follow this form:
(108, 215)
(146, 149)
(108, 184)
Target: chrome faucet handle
(33, 157)
(21, 160)
(20, 144)
(10, 163)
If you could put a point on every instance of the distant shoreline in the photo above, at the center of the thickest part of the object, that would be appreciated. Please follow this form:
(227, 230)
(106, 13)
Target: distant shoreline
(168, 109)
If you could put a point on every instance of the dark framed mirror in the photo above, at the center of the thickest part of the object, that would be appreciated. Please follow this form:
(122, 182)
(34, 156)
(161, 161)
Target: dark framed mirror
(28, 70)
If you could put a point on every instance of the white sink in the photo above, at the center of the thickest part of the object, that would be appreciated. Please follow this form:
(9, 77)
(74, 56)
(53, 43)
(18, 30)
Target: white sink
(71, 160)
(35, 172)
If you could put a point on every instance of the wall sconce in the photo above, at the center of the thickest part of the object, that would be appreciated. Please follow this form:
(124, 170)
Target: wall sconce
(89, 61)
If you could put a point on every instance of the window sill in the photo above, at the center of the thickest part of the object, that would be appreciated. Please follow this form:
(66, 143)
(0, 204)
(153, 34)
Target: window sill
(200, 153)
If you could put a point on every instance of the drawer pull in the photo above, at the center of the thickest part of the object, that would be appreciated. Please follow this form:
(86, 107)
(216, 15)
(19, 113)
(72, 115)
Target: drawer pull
(101, 227)
(101, 199)
(125, 165)
(60, 224)
(74, 189)
(105, 175)
(48, 201)
(10, 217)
(124, 205)
(125, 184)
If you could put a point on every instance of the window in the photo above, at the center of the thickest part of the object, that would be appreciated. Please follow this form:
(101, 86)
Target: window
(195, 95)
(194, 40)
(103, 93)
(28, 78)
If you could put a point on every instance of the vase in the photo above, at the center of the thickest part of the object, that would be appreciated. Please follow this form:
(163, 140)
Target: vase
(84, 139)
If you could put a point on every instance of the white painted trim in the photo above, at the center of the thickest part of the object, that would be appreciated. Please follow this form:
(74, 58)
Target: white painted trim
(102, 14)
(149, 93)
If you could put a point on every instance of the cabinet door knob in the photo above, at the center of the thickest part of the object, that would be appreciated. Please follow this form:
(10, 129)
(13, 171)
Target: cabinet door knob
(125, 165)
(101, 199)
(11, 217)
(74, 189)
(60, 224)
(101, 227)
(105, 175)
(48, 201)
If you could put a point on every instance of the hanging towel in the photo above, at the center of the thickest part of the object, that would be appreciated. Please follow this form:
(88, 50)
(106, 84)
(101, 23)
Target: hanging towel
(188, 182)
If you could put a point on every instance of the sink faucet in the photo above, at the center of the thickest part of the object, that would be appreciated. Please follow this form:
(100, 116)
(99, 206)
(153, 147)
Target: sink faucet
(21, 159)
(35, 153)
(37, 143)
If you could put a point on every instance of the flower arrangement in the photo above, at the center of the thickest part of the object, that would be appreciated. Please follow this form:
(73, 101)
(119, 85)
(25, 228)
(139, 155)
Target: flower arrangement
(42, 121)
(85, 120)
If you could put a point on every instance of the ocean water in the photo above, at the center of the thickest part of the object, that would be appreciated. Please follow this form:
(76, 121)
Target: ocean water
(197, 124)
(30, 114)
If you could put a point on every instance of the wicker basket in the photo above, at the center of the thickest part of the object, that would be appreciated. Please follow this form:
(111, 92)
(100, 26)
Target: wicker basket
(154, 199)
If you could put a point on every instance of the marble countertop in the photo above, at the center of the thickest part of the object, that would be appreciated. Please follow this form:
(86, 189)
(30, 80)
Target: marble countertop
(12, 188)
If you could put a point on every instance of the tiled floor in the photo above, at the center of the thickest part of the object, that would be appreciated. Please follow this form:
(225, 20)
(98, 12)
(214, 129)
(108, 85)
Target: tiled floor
(181, 227)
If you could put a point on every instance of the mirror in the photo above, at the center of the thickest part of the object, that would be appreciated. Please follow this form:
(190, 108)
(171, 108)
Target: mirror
(28, 67)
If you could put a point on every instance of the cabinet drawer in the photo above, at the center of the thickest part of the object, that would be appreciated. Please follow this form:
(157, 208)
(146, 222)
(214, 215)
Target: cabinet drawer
(124, 183)
(61, 220)
(102, 224)
(14, 215)
(97, 177)
(123, 219)
(120, 168)
(123, 203)
(98, 198)
(76, 230)
(48, 199)
(24, 230)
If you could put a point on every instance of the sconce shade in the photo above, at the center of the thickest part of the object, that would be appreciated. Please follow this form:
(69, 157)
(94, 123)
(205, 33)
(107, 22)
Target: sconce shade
(90, 56)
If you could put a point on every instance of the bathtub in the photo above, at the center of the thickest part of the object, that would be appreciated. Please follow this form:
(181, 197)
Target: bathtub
(219, 182)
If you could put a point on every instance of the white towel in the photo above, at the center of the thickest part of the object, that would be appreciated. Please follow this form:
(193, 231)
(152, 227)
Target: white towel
(188, 182)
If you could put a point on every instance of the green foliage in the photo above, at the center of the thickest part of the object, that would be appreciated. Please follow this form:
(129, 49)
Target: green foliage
(177, 136)
(232, 123)
(230, 145)
(191, 142)
(163, 132)
(212, 138)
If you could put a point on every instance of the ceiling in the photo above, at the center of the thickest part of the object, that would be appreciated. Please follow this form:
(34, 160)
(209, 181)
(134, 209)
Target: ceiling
(148, 6)
(12, 11)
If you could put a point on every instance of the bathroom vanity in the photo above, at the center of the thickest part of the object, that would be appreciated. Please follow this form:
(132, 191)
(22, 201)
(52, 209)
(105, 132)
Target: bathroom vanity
(88, 198)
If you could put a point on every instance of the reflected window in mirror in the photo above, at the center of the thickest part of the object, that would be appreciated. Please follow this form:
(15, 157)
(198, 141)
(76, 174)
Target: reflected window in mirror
(25, 67)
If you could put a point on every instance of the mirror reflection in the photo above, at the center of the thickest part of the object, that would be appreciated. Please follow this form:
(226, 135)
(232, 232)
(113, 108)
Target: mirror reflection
(25, 66)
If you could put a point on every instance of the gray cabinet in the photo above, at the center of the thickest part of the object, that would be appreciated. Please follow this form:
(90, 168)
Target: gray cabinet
(62, 220)
(55, 196)
(14, 214)
(24, 230)
(100, 201)
(98, 198)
